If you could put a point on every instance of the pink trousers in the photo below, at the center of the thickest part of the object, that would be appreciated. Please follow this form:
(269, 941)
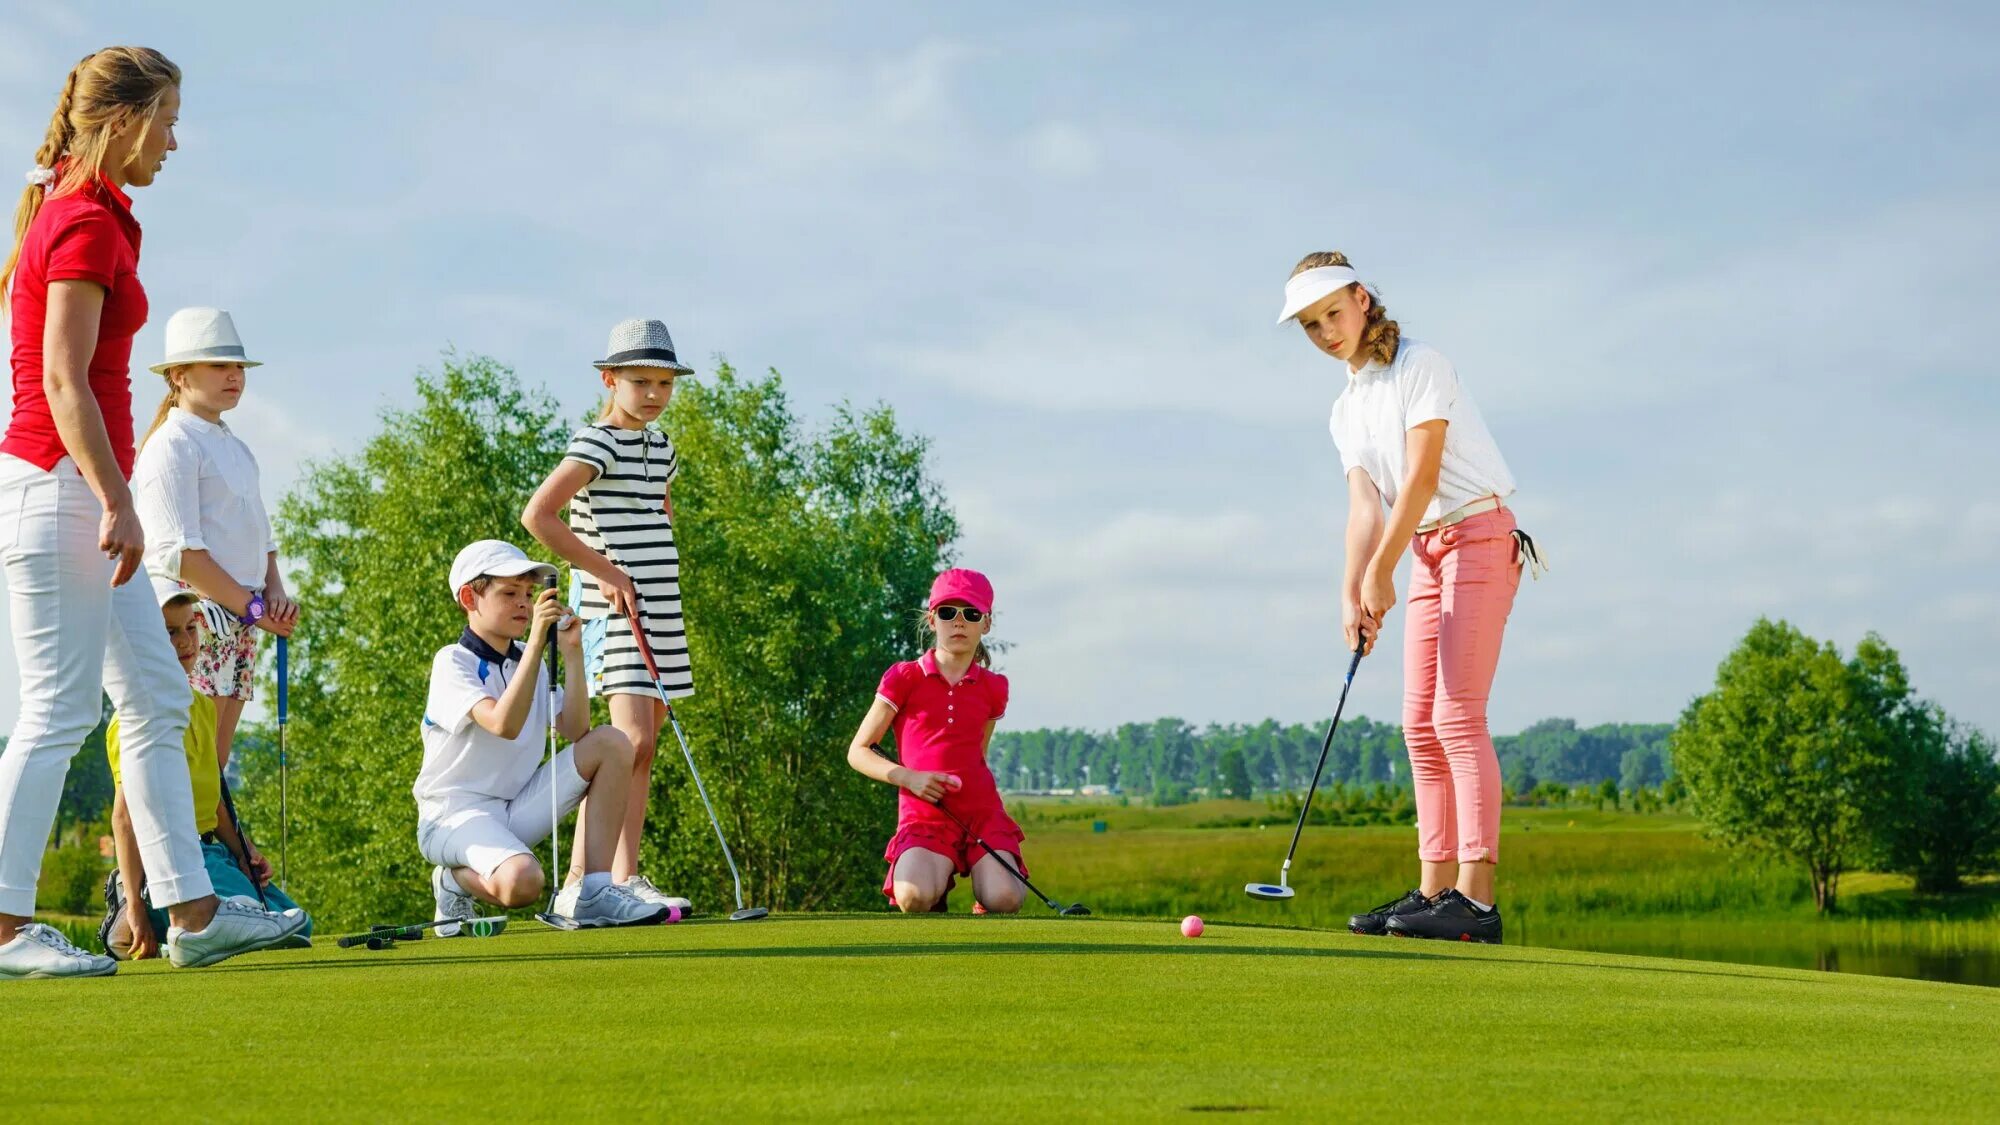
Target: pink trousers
(1462, 589)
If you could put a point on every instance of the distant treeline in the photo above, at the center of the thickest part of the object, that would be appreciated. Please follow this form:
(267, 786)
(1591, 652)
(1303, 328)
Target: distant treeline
(1169, 757)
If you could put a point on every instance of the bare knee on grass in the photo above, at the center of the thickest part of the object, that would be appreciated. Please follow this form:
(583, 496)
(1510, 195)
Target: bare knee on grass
(996, 890)
(922, 879)
(518, 881)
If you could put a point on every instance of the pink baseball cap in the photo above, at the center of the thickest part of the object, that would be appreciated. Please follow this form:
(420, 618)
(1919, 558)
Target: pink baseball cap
(968, 586)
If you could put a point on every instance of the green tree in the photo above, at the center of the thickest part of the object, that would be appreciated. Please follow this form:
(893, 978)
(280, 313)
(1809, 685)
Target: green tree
(1235, 773)
(806, 559)
(1952, 827)
(1796, 750)
(1607, 790)
(371, 537)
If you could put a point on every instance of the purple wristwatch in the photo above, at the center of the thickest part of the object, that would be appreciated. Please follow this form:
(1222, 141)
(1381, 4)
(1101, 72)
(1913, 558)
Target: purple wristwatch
(254, 612)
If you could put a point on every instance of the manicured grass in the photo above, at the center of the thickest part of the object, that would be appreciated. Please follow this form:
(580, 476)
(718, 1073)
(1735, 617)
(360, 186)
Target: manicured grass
(864, 1017)
(1576, 879)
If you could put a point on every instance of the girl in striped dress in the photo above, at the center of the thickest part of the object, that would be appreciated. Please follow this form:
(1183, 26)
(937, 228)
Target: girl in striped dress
(616, 480)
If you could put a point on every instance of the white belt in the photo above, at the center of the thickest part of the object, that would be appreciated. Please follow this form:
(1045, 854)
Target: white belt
(1478, 507)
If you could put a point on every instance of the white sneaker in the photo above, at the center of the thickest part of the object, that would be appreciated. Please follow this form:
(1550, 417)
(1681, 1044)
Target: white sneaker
(614, 905)
(239, 926)
(643, 888)
(452, 906)
(42, 951)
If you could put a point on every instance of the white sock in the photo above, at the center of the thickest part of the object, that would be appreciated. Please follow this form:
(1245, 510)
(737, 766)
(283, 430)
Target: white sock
(450, 882)
(1482, 907)
(595, 881)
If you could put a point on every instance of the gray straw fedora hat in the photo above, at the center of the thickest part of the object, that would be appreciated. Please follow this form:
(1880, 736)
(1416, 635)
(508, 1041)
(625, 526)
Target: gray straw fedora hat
(642, 343)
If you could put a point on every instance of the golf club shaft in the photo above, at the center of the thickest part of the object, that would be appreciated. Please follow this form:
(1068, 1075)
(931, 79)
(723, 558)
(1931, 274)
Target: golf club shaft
(556, 874)
(1002, 860)
(243, 842)
(284, 795)
(1320, 766)
(638, 620)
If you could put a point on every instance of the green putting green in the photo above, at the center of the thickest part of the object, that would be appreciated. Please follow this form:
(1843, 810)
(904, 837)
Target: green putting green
(867, 1016)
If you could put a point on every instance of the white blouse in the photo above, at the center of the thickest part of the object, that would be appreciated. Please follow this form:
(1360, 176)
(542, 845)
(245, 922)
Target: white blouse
(196, 487)
(1384, 402)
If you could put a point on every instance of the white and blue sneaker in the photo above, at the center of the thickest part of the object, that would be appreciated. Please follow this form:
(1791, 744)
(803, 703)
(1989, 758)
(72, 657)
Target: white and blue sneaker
(612, 905)
(239, 926)
(453, 906)
(40, 950)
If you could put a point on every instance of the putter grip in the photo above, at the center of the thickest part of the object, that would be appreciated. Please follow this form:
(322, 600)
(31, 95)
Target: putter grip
(284, 678)
(549, 583)
(645, 647)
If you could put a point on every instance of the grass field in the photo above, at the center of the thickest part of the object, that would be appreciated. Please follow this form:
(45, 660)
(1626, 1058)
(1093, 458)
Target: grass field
(852, 1017)
(1576, 879)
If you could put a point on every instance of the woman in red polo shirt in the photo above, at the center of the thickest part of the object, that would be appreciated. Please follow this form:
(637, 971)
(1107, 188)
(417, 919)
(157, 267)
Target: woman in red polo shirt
(942, 708)
(70, 539)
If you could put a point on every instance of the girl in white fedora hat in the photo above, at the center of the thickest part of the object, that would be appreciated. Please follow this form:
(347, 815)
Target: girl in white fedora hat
(617, 482)
(201, 501)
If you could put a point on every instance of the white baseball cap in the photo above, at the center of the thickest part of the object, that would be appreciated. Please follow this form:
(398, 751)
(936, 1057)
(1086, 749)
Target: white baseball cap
(166, 591)
(493, 558)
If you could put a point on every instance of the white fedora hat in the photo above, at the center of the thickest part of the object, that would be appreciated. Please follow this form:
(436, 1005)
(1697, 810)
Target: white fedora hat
(202, 336)
(642, 343)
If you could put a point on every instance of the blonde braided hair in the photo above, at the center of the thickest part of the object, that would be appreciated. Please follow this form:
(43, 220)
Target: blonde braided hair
(103, 91)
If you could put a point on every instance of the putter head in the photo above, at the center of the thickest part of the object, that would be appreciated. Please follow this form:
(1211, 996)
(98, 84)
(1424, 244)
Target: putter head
(749, 914)
(1271, 891)
(1074, 910)
(557, 921)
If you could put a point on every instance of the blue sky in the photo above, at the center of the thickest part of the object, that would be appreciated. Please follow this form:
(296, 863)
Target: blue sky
(1720, 280)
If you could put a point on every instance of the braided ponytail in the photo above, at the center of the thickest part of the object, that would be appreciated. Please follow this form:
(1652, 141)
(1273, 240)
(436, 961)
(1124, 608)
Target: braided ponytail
(1383, 336)
(102, 91)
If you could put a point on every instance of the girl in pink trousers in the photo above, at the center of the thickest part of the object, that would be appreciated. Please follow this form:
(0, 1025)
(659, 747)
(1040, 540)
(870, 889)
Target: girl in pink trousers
(1411, 440)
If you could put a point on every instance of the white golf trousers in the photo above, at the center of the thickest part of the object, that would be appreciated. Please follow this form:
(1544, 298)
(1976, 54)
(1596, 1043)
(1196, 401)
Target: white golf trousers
(75, 639)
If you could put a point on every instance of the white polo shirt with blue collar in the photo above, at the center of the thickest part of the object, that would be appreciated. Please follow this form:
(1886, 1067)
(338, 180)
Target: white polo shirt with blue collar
(464, 763)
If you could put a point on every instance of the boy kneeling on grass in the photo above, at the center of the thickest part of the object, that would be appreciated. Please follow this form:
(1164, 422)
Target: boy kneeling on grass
(483, 794)
(235, 866)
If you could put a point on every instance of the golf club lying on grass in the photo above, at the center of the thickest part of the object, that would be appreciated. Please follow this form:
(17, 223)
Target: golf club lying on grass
(1073, 910)
(382, 937)
(1283, 889)
(742, 913)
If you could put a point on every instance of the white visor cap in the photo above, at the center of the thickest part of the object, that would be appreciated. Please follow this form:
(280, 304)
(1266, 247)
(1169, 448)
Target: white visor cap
(1314, 285)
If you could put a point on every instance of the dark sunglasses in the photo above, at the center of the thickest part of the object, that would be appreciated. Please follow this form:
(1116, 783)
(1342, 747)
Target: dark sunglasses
(952, 612)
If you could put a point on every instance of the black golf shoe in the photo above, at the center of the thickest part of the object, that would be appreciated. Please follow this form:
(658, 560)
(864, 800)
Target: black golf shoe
(1451, 917)
(1376, 921)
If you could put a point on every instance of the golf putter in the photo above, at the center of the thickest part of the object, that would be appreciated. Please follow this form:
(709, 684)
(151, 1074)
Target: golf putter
(549, 917)
(381, 937)
(1073, 910)
(1283, 889)
(742, 913)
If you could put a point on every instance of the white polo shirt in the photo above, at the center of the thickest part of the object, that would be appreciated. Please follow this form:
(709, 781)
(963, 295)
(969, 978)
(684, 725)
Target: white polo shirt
(196, 487)
(1384, 402)
(464, 763)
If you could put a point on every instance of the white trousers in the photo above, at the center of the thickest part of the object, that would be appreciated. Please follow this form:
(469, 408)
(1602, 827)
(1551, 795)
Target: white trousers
(75, 639)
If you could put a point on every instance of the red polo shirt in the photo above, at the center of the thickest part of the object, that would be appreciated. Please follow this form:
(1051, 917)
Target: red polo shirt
(942, 727)
(87, 235)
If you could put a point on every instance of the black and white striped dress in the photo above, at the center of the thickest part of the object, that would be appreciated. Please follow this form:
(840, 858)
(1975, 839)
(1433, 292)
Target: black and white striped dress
(621, 514)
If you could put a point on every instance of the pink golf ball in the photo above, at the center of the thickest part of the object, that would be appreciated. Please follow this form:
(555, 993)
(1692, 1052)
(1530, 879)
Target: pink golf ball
(673, 914)
(1191, 926)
